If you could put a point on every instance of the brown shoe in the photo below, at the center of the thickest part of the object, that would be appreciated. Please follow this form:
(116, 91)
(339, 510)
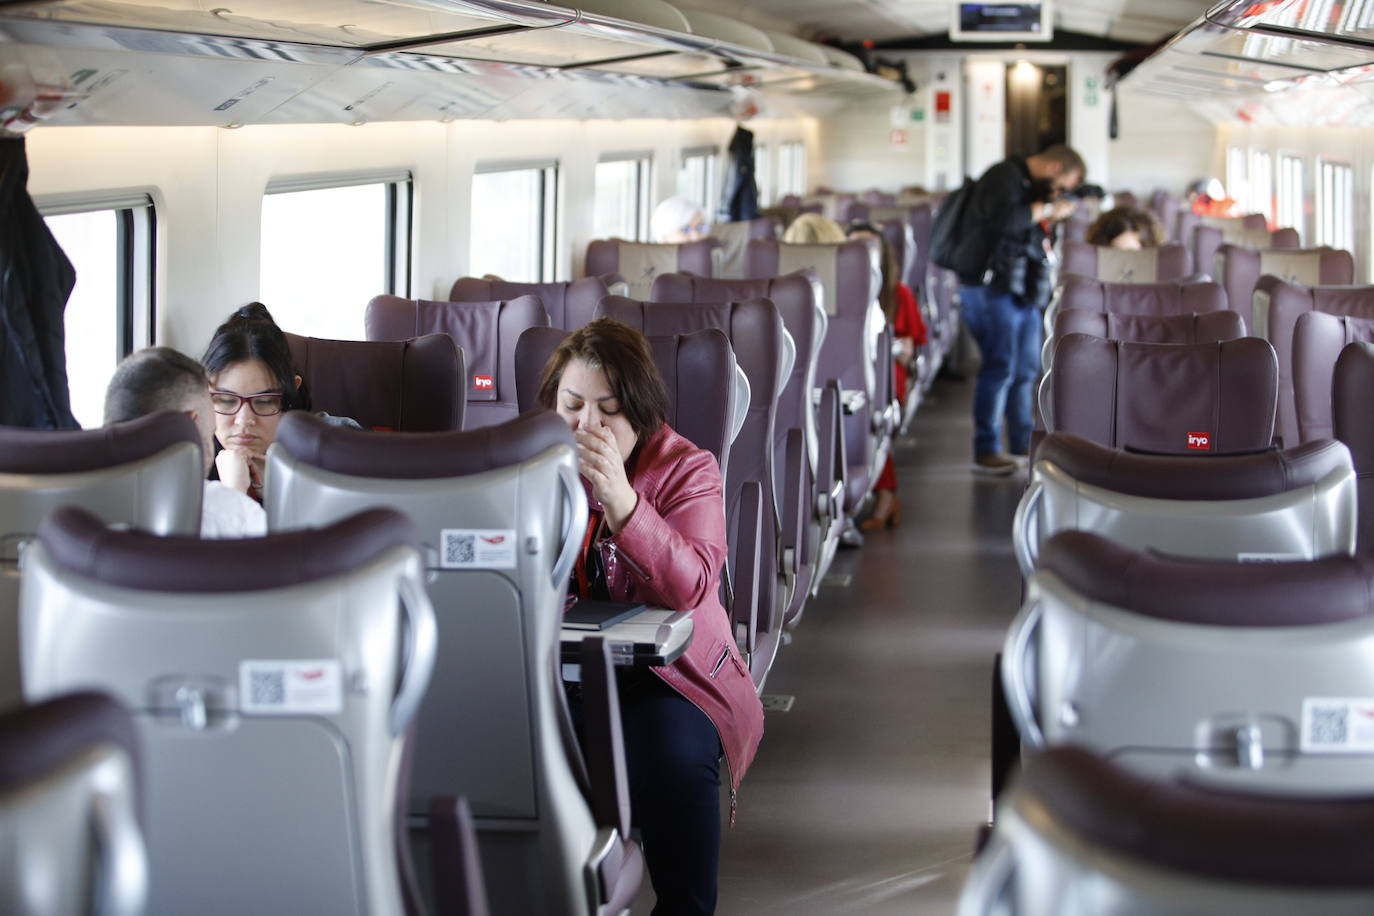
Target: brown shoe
(996, 464)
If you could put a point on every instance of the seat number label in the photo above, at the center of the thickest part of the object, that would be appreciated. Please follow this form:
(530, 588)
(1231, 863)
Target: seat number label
(1338, 725)
(1200, 441)
(477, 548)
(283, 687)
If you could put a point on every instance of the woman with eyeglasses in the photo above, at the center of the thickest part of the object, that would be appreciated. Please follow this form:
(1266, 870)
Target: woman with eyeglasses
(678, 219)
(657, 535)
(252, 383)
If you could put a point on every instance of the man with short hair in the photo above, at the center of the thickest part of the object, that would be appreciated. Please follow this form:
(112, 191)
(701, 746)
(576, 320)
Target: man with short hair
(160, 378)
(1004, 280)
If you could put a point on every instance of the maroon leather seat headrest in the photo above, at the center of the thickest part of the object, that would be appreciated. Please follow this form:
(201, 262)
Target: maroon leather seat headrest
(1211, 592)
(72, 451)
(419, 456)
(1202, 476)
(38, 739)
(1183, 827)
(80, 543)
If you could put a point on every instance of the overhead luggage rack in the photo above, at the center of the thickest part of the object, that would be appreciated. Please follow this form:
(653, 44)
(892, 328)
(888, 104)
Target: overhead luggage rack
(321, 61)
(1243, 48)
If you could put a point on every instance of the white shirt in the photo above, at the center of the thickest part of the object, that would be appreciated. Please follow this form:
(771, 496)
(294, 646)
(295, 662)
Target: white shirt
(227, 513)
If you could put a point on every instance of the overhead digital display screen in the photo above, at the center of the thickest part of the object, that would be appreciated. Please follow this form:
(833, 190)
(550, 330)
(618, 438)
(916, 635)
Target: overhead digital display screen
(1002, 22)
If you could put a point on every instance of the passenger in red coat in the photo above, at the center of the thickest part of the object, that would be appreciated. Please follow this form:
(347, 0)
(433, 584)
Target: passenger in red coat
(657, 535)
(908, 332)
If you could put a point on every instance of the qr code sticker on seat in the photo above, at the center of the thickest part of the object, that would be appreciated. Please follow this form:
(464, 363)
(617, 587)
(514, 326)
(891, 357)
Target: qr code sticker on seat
(1330, 724)
(268, 688)
(459, 549)
(477, 548)
(1338, 725)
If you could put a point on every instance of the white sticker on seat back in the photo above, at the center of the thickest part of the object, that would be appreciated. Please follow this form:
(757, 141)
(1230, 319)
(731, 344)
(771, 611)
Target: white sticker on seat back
(477, 548)
(1337, 725)
(281, 687)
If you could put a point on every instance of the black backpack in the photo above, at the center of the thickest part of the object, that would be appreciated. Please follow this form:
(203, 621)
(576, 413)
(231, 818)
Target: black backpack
(945, 247)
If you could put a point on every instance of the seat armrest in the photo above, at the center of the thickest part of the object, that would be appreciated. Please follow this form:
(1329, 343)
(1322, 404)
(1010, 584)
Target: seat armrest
(749, 536)
(604, 744)
(794, 502)
(455, 868)
(832, 468)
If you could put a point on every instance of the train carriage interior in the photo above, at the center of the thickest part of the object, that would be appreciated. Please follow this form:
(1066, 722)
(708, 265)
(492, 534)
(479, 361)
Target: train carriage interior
(406, 616)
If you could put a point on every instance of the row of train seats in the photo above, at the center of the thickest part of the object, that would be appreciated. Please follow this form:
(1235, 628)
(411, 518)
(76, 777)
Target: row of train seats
(381, 689)
(1191, 657)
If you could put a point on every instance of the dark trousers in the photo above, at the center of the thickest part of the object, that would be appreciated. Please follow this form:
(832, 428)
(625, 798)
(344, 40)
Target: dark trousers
(672, 753)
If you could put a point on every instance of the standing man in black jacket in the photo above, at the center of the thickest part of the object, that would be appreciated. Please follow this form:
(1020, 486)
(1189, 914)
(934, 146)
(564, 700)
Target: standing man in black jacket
(1004, 279)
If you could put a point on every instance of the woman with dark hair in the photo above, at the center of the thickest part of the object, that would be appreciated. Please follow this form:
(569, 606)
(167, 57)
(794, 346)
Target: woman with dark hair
(657, 535)
(252, 383)
(909, 331)
(1126, 228)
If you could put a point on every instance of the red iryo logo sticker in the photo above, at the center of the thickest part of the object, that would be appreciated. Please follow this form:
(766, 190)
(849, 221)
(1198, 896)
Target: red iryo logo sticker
(1200, 441)
(483, 382)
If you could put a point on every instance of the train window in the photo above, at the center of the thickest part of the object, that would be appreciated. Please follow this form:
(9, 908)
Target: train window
(1237, 188)
(791, 169)
(1335, 205)
(763, 174)
(331, 243)
(513, 222)
(696, 178)
(1291, 212)
(1262, 184)
(622, 198)
(110, 242)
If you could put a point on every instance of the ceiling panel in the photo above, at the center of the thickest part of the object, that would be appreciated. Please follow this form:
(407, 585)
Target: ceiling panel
(889, 20)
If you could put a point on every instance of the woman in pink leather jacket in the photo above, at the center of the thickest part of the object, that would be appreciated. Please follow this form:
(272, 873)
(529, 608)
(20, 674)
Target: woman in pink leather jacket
(657, 535)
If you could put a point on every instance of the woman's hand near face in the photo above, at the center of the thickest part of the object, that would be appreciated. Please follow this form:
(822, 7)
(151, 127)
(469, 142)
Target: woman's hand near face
(599, 460)
(235, 469)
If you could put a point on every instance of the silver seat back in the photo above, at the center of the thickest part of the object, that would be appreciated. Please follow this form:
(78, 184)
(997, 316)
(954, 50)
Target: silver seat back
(70, 839)
(1080, 836)
(501, 513)
(1295, 504)
(272, 680)
(1240, 672)
(146, 473)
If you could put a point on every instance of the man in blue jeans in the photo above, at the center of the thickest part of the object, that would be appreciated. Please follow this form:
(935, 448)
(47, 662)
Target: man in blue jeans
(1004, 280)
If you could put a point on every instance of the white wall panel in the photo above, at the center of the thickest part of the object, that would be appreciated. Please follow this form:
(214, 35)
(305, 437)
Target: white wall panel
(1162, 144)
(207, 185)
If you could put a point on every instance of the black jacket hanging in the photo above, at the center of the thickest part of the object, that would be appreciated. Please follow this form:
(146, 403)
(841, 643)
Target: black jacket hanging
(35, 280)
(741, 200)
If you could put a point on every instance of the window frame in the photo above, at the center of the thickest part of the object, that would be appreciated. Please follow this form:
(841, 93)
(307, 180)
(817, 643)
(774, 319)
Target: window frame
(644, 177)
(1335, 217)
(709, 196)
(550, 176)
(1291, 208)
(399, 233)
(784, 182)
(1260, 165)
(762, 153)
(135, 213)
(1237, 175)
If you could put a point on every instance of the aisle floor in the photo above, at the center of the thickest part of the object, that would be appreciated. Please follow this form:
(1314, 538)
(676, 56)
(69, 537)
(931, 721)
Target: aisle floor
(866, 797)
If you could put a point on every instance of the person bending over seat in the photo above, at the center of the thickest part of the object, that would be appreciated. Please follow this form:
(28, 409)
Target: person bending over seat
(252, 382)
(1000, 253)
(160, 378)
(656, 535)
(1126, 228)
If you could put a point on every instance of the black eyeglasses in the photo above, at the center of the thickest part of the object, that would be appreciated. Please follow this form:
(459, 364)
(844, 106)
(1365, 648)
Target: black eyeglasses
(268, 404)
